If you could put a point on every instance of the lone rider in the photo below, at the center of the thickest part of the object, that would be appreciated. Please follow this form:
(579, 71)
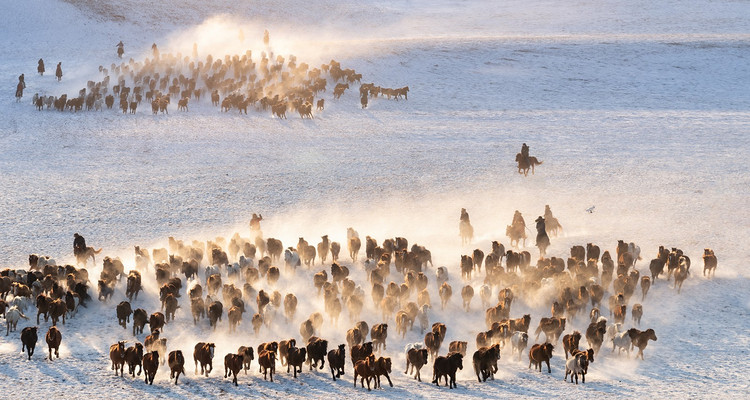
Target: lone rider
(120, 49)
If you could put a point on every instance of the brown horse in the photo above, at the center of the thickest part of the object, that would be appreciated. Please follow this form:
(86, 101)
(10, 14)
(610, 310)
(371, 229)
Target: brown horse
(540, 353)
(516, 233)
(523, 164)
(83, 256)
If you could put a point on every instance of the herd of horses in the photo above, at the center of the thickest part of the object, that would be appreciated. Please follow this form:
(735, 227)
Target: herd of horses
(235, 82)
(392, 286)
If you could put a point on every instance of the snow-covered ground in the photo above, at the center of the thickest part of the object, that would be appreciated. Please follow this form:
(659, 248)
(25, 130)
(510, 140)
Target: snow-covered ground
(639, 109)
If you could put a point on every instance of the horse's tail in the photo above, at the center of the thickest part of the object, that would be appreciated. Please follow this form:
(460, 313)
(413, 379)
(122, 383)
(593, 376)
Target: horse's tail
(97, 251)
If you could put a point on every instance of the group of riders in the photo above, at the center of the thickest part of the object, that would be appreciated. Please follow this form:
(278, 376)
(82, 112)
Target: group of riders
(58, 71)
(40, 69)
(517, 228)
(519, 224)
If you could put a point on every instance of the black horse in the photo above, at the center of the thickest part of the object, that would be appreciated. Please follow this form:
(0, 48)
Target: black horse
(542, 240)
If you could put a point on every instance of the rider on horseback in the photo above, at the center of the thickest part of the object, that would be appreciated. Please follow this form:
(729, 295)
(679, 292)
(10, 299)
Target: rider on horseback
(464, 216)
(120, 49)
(79, 244)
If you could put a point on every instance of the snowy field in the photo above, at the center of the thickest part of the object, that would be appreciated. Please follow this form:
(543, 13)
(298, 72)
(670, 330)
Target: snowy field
(639, 109)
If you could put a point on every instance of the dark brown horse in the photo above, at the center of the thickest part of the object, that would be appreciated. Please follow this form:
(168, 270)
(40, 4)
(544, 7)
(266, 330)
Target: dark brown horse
(523, 164)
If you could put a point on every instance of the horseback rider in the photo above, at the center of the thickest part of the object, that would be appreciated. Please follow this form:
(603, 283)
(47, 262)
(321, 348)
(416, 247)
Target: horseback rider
(465, 216)
(255, 222)
(40, 67)
(525, 151)
(21, 81)
(120, 49)
(58, 71)
(79, 244)
(265, 37)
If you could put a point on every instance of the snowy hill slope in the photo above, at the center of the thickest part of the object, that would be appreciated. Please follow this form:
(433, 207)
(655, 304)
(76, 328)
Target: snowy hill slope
(638, 109)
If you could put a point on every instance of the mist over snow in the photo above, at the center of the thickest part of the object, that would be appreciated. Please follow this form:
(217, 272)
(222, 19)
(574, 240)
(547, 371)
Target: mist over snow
(639, 109)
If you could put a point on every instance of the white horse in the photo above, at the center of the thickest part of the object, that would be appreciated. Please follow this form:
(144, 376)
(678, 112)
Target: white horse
(233, 271)
(623, 341)
(37, 288)
(635, 251)
(485, 293)
(442, 275)
(141, 263)
(370, 265)
(613, 330)
(20, 302)
(269, 314)
(43, 261)
(12, 316)
(246, 262)
(466, 231)
(518, 341)
(424, 317)
(291, 258)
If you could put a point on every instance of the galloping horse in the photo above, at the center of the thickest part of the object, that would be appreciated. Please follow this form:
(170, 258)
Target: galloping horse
(526, 163)
(467, 232)
(523, 164)
(516, 233)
